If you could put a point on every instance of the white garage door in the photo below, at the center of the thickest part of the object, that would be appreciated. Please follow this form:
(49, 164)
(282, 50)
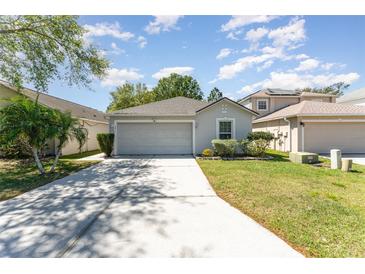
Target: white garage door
(322, 137)
(154, 138)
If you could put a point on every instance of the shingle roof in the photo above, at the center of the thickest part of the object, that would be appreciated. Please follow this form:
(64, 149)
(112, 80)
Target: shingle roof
(177, 106)
(352, 96)
(312, 108)
(76, 110)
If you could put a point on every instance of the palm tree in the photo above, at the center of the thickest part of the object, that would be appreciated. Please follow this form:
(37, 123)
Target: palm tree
(30, 120)
(68, 128)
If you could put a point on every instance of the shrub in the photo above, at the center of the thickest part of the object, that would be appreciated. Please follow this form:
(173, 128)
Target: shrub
(17, 148)
(106, 141)
(263, 135)
(243, 145)
(208, 152)
(257, 147)
(225, 147)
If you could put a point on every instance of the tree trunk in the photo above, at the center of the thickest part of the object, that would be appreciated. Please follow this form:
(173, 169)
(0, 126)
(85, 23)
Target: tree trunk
(56, 160)
(37, 161)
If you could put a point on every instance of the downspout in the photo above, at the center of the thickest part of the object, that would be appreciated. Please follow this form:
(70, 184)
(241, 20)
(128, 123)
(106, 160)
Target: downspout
(302, 124)
(288, 121)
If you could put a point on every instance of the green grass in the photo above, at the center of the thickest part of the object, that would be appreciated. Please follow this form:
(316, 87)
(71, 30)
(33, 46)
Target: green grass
(20, 176)
(318, 211)
(81, 155)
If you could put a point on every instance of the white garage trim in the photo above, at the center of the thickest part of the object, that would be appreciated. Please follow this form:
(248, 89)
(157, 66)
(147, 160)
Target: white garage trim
(151, 121)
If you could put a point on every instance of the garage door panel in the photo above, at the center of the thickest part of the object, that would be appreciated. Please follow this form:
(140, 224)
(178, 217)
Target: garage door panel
(322, 137)
(154, 138)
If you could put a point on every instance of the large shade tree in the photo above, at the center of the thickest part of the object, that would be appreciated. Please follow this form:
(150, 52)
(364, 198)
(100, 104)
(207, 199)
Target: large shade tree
(130, 95)
(177, 85)
(40, 49)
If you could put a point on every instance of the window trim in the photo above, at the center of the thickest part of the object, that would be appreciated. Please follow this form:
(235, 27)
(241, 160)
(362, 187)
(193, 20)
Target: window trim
(262, 100)
(233, 127)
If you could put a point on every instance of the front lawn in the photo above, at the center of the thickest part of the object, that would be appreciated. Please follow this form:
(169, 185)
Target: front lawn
(19, 176)
(318, 211)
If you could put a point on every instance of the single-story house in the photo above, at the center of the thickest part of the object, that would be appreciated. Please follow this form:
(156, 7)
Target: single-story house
(178, 126)
(93, 120)
(314, 126)
(356, 97)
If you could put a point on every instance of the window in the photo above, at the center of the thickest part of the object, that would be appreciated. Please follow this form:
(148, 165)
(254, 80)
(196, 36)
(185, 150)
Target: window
(225, 129)
(262, 104)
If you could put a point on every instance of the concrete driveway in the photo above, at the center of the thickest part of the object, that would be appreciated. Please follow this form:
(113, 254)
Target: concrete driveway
(132, 207)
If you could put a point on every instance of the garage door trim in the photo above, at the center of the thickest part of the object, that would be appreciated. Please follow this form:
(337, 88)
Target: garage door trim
(116, 122)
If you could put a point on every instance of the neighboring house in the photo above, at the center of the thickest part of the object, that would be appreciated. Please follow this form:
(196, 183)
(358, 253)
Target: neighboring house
(93, 120)
(178, 126)
(316, 127)
(309, 122)
(356, 97)
(269, 100)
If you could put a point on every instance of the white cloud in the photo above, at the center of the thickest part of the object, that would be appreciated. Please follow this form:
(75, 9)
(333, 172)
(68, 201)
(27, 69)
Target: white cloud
(115, 49)
(327, 66)
(162, 23)
(142, 42)
(289, 35)
(292, 80)
(301, 56)
(107, 29)
(223, 53)
(233, 35)
(116, 77)
(244, 20)
(254, 35)
(164, 72)
(266, 65)
(307, 64)
(231, 70)
(250, 88)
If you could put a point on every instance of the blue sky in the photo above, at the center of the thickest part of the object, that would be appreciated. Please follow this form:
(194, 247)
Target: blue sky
(238, 54)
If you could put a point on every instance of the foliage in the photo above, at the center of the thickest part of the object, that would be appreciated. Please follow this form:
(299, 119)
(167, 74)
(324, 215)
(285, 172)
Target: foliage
(207, 152)
(106, 141)
(177, 85)
(67, 129)
(265, 135)
(244, 146)
(129, 95)
(39, 49)
(214, 95)
(335, 89)
(225, 148)
(257, 147)
(15, 149)
(34, 122)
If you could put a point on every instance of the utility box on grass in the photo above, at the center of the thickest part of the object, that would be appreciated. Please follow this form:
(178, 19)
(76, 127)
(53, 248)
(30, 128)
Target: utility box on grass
(303, 157)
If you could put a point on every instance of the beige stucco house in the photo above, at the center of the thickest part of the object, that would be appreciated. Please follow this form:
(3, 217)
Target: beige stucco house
(178, 126)
(308, 121)
(93, 120)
